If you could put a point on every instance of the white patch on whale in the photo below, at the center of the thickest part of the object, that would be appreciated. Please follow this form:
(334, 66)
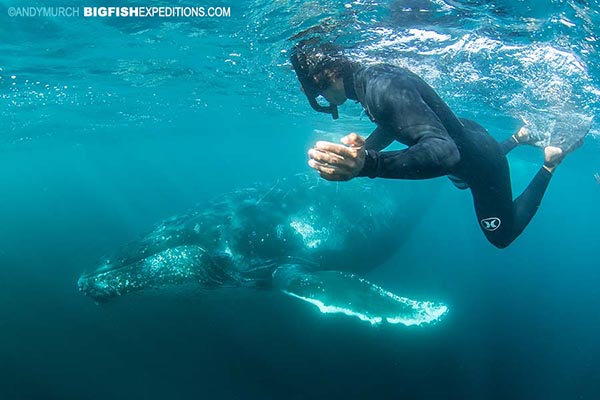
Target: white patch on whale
(312, 237)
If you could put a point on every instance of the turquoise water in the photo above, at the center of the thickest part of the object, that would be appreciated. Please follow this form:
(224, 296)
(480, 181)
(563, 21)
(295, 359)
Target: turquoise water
(110, 125)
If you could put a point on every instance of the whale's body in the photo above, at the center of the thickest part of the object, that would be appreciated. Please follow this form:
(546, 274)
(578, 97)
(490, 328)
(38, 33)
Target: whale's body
(305, 236)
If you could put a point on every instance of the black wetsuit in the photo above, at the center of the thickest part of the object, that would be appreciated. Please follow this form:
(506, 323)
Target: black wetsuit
(408, 110)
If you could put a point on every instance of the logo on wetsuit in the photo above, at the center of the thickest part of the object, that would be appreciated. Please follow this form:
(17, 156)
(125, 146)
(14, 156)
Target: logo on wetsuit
(491, 224)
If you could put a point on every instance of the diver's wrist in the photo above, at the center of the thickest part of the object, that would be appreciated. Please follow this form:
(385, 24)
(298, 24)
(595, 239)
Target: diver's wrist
(368, 164)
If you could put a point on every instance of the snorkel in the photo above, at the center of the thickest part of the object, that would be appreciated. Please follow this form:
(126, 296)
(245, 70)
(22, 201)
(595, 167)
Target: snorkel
(310, 89)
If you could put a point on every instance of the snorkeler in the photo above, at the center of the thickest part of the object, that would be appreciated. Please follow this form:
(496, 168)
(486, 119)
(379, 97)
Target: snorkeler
(408, 110)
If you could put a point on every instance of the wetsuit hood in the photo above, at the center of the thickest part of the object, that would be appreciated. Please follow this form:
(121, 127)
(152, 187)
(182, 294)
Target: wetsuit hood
(348, 77)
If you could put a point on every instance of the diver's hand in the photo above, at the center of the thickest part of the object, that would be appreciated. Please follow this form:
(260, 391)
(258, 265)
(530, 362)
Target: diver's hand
(338, 162)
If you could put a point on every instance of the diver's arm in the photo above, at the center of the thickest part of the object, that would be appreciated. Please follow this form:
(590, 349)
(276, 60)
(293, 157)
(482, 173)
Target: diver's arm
(429, 158)
(378, 140)
(409, 119)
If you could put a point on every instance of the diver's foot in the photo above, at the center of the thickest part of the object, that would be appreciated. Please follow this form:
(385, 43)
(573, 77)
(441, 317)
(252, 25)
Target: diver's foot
(554, 155)
(524, 136)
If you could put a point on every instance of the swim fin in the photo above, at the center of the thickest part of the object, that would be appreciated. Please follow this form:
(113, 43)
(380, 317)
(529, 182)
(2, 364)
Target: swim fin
(569, 134)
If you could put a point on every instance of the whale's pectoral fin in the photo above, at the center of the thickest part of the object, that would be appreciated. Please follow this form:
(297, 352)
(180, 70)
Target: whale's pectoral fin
(342, 292)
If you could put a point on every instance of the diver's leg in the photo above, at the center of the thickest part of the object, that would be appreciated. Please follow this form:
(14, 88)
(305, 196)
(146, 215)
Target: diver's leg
(492, 197)
(527, 204)
(501, 219)
(509, 144)
(524, 207)
(489, 179)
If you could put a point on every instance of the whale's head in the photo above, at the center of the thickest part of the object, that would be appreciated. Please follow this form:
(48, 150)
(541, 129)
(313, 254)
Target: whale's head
(170, 267)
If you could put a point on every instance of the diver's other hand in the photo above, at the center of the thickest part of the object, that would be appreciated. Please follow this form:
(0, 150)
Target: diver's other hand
(354, 140)
(339, 162)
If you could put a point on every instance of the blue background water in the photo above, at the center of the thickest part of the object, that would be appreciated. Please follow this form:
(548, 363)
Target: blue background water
(109, 125)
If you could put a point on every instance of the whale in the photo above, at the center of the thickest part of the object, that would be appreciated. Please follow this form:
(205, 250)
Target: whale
(302, 236)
